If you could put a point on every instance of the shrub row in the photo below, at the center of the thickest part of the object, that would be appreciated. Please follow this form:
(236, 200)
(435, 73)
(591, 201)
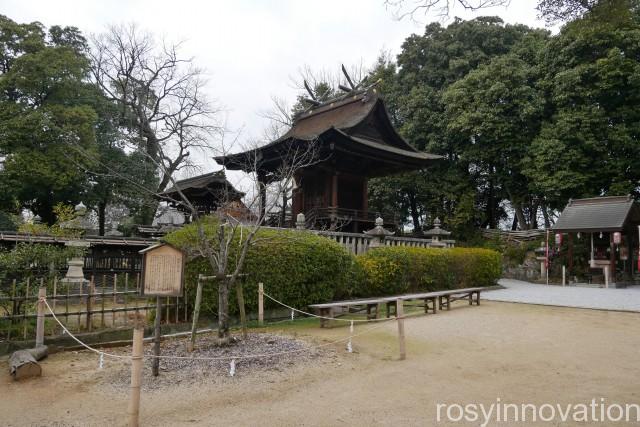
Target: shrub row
(302, 268)
(396, 270)
(296, 268)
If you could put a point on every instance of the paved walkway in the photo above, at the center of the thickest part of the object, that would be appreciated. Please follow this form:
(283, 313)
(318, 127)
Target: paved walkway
(569, 296)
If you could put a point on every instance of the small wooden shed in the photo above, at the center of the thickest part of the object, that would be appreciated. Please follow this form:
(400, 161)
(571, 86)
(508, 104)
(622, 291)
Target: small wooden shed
(612, 224)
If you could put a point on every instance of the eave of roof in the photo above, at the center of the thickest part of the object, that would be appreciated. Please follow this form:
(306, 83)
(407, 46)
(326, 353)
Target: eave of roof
(596, 214)
(93, 240)
(340, 116)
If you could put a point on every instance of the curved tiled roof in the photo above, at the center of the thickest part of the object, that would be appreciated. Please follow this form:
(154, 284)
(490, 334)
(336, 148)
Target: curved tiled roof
(361, 118)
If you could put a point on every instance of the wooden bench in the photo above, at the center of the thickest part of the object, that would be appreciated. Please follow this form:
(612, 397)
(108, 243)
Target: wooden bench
(328, 309)
(373, 305)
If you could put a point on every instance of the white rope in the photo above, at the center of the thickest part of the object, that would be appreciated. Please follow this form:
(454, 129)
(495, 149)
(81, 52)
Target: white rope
(251, 356)
(322, 317)
(88, 347)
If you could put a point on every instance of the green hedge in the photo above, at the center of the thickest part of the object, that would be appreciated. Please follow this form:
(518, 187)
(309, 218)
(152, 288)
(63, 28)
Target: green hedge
(300, 268)
(396, 270)
(297, 268)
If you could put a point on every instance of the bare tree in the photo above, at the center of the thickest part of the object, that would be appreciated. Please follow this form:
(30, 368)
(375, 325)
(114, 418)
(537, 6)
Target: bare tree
(554, 11)
(160, 96)
(441, 8)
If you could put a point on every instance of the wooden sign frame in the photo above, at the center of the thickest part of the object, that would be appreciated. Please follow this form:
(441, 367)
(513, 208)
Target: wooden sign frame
(177, 290)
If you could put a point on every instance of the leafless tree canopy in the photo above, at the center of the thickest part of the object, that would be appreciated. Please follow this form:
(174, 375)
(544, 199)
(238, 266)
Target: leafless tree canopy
(442, 8)
(554, 11)
(159, 92)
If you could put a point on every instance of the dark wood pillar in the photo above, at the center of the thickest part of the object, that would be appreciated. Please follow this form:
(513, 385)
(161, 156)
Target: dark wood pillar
(334, 190)
(365, 195)
(570, 252)
(612, 258)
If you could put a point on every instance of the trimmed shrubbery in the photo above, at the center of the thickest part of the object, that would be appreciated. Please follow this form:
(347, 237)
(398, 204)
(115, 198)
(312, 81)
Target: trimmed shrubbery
(300, 268)
(398, 269)
(296, 268)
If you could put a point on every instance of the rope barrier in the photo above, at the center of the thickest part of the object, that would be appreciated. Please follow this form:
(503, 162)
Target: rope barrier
(318, 316)
(219, 358)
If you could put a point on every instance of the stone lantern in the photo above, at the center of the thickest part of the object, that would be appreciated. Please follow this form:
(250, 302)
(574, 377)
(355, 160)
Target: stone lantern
(378, 234)
(75, 274)
(437, 233)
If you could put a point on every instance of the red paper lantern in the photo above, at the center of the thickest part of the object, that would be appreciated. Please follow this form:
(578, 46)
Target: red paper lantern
(558, 239)
(617, 237)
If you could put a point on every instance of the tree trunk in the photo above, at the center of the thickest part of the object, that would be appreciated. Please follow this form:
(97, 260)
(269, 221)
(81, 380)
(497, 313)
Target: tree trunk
(223, 311)
(102, 208)
(223, 289)
(415, 216)
(520, 215)
(283, 212)
(491, 206)
(24, 363)
(545, 215)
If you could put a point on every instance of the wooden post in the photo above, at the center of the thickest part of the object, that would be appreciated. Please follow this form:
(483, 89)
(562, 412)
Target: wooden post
(196, 313)
(126, 297)
(115, 289)
(612, 259)
(168, 304)
(42, 293)
(101, 306)
(564, 276)
(90, 293)
(606, 277)
(13, 308)
(24, 310)
(136, 373)
(243, 315)
(260, 303)
(400, 320)
(570, 254)
(156, 339)
(55, 293)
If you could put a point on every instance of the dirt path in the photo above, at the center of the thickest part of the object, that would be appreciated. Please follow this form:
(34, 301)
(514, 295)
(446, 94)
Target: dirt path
(518, 353)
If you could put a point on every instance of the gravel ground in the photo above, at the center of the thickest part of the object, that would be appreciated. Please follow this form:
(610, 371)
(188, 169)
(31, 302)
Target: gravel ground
(189, 371)
(568, 296)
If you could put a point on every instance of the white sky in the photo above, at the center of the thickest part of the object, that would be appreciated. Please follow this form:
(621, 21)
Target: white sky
(250, 49)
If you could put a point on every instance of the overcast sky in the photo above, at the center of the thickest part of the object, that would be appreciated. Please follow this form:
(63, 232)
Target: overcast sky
(251, 49)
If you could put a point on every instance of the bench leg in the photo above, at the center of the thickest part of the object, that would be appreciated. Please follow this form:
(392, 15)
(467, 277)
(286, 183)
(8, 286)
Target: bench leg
(391, 309)
(470, 298)
(426, 306)
(434, 306)
(441, 302)
(478, 298)
(448, 303)
(326, 312)
(378, 310)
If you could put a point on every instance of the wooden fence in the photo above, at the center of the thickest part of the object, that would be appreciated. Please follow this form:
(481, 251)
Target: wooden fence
(516, 236)
(104, 302)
